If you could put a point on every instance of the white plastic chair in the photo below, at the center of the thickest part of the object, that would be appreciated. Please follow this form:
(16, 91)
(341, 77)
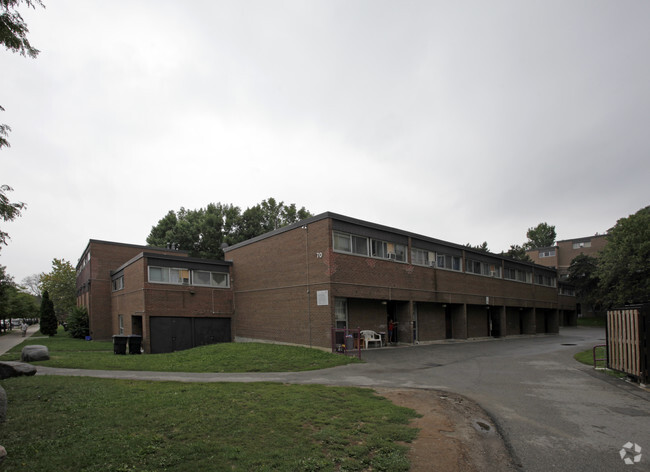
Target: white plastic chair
(370, 336)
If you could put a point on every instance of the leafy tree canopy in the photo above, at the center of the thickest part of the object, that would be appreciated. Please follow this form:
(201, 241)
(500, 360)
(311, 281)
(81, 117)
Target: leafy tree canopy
(624, 263)
(517, 252)
(542, 235)
(13, 29)
(61, 284)
(203, 232)
(481, 247)
(583, 276)
(8, 211)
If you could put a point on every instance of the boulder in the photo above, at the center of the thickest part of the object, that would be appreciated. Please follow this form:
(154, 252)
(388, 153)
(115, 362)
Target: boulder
(3, 454)
(15, 369)
(35, 352)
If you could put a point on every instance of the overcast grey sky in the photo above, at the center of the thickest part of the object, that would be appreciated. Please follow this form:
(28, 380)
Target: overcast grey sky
(467, 121)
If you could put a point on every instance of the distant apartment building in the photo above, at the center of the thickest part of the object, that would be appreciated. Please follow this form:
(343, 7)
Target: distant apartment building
(563, 252)
(298, 283)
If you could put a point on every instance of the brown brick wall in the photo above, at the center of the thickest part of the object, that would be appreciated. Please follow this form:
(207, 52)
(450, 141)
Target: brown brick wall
(96, 277)
(477, 321)
(513, 321)
(273, 299)
(431, 321)
(270, 283)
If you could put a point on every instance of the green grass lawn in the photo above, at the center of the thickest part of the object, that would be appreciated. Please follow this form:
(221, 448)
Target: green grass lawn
(225, 357)
(599, 321)
(86, 424)
(587, 357)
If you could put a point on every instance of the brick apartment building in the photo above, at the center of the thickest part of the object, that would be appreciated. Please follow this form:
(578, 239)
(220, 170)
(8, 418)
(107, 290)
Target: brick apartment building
(295, 284)
(170, 299)
(563, 252)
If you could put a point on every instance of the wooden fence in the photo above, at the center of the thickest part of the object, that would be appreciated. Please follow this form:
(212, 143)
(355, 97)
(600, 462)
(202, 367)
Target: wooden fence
(628, 336)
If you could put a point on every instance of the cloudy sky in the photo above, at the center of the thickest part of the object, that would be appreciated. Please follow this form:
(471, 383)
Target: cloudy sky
(467, 121)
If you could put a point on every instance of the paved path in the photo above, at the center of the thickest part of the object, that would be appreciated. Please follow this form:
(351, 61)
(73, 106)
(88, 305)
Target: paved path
(14, 337)
(554, 413)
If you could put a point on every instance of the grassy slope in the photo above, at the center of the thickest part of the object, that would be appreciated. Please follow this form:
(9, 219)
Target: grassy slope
(57, 423)
(224, 357)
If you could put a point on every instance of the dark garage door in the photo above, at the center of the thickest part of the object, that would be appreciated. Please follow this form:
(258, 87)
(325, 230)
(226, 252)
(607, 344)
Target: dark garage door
(175, 333)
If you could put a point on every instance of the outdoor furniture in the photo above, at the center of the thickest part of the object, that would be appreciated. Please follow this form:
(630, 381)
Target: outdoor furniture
(370, 336)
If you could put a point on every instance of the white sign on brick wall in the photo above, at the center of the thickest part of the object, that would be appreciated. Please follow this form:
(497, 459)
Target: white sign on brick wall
(322, 297)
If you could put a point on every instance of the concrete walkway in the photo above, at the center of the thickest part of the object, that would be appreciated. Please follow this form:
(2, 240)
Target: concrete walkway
(14, 337)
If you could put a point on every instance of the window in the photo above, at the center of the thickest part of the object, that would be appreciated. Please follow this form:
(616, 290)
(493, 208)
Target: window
(158, 274)
(547, 253)
(121, 323)
(379, 249)
(386, 250)
(542, 279)
(341, 313)
(483, 268)
(420, 257)
(178, 276)
(581, 244)
(518, 275)
(570, 291)
(118, 284)
(446, 261)
(213, 279)
(344, 242)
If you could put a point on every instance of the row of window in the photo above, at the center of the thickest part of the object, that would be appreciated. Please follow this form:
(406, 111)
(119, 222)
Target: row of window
(363, 246)
(169, 275)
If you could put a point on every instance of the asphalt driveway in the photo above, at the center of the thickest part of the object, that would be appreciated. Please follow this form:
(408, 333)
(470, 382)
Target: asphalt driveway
(554, 413)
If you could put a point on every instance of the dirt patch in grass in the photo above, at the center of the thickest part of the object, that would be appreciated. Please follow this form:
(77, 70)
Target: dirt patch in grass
(455, 433)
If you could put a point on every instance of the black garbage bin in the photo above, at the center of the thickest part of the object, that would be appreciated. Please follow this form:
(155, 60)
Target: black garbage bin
(135, 344)
(119, 343)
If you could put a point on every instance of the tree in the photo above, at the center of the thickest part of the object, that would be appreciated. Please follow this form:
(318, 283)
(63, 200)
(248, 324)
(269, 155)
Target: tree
(8, 211)
(13, 29)
(78, 324)
(32, 284)
(49, 324)
(204, 232)
(481, 247)
(624, 263)
(518, 253)
(6, 282)
(13, 35)
(542, 235)
(61, 284)
(583, 276)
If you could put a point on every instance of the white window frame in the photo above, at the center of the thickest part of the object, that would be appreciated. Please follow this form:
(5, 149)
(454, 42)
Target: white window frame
(118, 284)
(420, 257)
(354, 244)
